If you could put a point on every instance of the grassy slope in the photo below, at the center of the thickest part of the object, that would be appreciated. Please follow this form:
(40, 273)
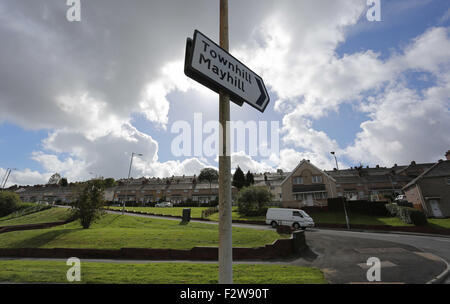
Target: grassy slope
(178, 211)
(339, 218)
(116, 231)
(439, 223)
(236, 216)
(156, 273)
(50, 215)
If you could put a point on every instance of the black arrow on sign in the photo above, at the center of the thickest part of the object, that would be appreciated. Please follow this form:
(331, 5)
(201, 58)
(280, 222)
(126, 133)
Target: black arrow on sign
(261, 98)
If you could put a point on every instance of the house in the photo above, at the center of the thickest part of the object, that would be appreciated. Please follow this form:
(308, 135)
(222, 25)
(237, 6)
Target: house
(307, 186)
(377, 183)
(430, 191)
(273, 182)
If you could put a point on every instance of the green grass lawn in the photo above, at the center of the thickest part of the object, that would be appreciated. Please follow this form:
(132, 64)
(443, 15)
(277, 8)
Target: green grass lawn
(156, 273)
(356, 219)
(114, 231)
(54, 214)
(178, 211)
(236, 216)
(439, 223)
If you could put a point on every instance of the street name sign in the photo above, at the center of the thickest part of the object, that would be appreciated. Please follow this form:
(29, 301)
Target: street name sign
(215, 68)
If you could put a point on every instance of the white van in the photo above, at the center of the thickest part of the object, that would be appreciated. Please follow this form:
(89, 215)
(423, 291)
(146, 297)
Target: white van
(288, 217)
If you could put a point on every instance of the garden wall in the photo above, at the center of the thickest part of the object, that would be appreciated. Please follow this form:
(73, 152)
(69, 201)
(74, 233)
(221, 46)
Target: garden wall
(279, 249)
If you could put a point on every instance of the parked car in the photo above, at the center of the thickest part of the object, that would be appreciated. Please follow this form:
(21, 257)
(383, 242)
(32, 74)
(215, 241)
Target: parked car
(164, 204)
(400, 198)
(288, 217)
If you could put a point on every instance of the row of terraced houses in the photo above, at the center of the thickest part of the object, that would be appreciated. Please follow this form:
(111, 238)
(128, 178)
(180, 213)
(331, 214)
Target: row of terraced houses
(426, 185)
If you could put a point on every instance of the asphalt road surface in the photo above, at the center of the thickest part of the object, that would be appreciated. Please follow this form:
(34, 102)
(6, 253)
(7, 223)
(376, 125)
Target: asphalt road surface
(404, 244)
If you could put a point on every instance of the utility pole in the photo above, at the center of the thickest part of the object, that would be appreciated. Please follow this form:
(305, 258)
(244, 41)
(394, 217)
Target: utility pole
(128, 180)
(225, 224)
(334, 154)
(5, 180)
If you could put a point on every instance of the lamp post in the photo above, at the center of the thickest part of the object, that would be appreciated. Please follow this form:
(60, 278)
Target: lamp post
(343, 201)
(128, 180)
(5, 178)
(334, 154)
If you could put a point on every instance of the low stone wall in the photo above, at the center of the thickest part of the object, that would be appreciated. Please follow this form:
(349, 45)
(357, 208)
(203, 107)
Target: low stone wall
(279, 249)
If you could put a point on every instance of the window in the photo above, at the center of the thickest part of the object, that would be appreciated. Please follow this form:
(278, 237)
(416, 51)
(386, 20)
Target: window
(317, 179)
(448, 180)
(320, 195)
(297, 213)
(298, 180)
(298, 197)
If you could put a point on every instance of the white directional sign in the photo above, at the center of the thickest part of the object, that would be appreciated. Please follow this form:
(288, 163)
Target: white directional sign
(215, 68)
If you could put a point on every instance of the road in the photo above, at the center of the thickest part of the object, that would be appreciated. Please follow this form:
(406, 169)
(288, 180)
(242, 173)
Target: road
(436, 245)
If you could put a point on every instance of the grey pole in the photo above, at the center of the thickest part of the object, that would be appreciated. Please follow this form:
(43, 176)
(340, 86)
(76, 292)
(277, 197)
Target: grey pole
(128, 180)
(225, 224)
(334, 154)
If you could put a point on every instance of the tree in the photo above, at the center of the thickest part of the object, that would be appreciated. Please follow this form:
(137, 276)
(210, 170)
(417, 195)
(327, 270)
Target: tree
(249, 179)
(253, 201)
(109, 182)
(209, 175)
(63, 182)
(54, 179)
(239, 179)
(89, 204)
(9, 202)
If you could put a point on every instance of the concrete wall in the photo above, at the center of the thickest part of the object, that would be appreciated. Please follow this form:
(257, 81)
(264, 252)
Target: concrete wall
(436, 187)
(413, 196)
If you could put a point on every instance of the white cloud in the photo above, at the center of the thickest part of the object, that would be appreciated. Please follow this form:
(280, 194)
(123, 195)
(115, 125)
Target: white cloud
(84, 81)
(246, 163)
(25, 177)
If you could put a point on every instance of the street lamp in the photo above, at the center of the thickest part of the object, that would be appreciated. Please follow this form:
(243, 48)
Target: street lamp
(343, 201)
(5, 178)
(334, 154)
(128, 180)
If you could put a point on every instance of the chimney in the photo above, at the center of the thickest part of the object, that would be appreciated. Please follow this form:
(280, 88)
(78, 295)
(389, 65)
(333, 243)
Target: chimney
(447, 155)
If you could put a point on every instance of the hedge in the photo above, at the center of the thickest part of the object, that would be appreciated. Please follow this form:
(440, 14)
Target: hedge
(407, 214)
(360, 207)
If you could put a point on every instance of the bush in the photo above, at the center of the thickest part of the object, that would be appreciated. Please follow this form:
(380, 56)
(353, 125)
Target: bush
(253, 201)
(392, 209)
(27, 208)
(9, 202)
(405, 204)
(360, 207)
(407, 214)
(417, 217)
(89, 204)
(206, 213)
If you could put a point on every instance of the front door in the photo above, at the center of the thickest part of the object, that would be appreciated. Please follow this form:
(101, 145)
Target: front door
(434, 204)
(309, 200)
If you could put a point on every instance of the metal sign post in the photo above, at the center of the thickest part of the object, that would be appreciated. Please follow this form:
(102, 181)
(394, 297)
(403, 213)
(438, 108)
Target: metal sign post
(225, 223)
(214, 67)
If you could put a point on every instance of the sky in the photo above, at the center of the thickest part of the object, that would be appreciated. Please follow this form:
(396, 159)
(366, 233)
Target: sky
(79, 97)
